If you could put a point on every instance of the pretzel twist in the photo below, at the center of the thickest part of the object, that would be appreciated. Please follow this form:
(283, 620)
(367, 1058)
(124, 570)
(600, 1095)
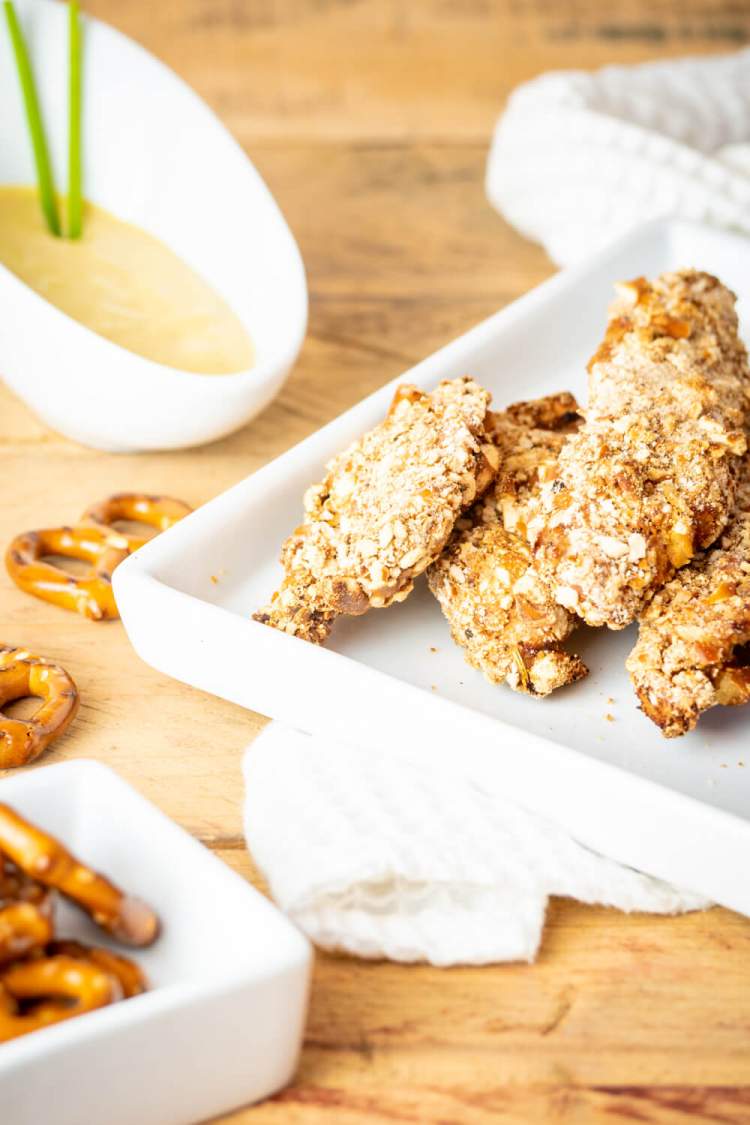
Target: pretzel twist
(57, 988)
(21, 674)
(26, 922)
(131, 977)
(25, 928)
(94, 540)
(159, 512)
(15, 886)
(89, 594)
(46, 860)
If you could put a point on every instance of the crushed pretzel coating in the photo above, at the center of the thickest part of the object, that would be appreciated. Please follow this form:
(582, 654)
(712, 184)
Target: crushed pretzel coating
(499, 608)
(693, 649)
(648, 480)
(385, 509)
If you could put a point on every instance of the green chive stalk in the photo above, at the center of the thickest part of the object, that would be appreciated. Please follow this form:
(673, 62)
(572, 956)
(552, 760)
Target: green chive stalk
(45, 181)
(75, 198)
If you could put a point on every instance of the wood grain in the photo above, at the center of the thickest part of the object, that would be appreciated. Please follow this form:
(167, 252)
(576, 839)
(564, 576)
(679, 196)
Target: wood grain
(621, 1016)
(279, 70)
(370, 122)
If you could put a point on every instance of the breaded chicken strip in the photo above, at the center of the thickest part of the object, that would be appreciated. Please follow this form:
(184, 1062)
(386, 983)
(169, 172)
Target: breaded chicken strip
(693, 649)
(499, 608)
(385, 510)
(648, 480)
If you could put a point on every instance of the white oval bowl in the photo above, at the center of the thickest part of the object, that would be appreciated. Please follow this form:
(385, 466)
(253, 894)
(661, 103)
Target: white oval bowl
(155, 156)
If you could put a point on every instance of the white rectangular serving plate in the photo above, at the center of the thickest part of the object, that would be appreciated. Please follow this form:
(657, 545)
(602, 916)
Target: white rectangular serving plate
(222, 1022)
(585, 757)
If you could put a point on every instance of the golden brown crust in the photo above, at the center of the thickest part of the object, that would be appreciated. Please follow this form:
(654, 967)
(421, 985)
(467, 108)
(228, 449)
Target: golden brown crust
(648, 480)
(693, 648)
(385, 509)
(558, 413)
(499, 608)
(21, 675)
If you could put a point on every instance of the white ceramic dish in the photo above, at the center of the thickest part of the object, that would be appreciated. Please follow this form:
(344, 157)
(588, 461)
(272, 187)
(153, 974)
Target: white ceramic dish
(223, 1021)
(156, 156)
(680, 809)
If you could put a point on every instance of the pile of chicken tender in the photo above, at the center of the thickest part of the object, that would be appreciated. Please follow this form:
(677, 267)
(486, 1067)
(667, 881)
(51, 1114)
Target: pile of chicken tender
(531, 520)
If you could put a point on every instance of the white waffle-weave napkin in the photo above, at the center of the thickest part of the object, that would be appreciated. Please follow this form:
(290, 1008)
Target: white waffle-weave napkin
(367, 854)
(579, 158)
(372, 856)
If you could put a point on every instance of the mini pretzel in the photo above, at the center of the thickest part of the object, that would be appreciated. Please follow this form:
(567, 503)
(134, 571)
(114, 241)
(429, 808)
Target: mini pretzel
(24, 928)
(26, 923)
(130, 975)
(54, 989)
(91, 594)
(45, 859)
(21, 674)
(15, 886)
(161, 512)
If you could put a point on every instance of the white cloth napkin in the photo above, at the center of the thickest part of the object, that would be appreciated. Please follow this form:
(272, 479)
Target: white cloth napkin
(367, 854)
(370, 856)
(579, 158)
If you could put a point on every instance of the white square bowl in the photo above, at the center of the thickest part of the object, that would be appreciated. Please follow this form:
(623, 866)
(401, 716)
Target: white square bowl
(393, 682)
(222, 1023)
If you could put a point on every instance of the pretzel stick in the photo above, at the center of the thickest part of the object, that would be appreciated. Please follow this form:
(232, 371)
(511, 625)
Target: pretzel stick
(63, 986)
(43, 858)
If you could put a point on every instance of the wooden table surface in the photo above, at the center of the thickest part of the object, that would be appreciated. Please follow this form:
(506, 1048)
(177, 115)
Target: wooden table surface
(370, 122)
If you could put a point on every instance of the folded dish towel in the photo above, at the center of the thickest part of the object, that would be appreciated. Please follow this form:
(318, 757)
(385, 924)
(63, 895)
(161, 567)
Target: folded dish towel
(367, 854)
(579, 158)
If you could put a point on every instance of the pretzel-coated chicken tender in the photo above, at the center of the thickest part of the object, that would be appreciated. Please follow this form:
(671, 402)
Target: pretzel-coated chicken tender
(648, 481)
(693, 649)
(385, 509)
(499, 607)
